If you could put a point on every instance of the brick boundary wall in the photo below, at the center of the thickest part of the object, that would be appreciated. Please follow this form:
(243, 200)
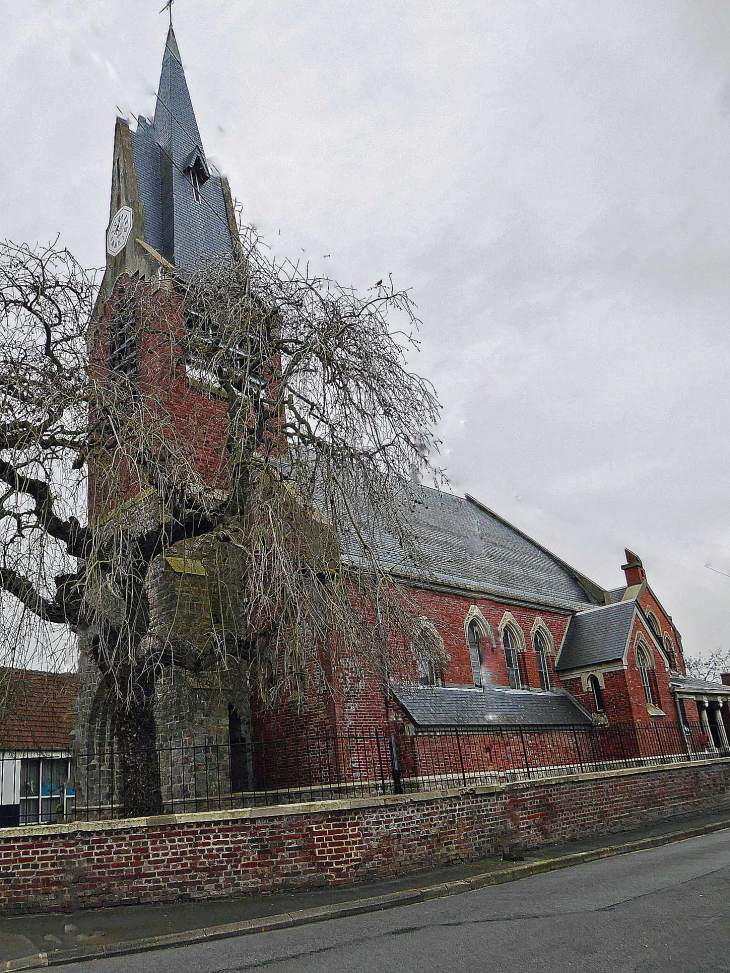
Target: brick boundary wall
(233, 853)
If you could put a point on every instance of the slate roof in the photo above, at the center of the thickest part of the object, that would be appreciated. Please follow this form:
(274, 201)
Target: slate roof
(689, 684)
(186, 232)
(37, 709)
(462, 543)
(597, 636)
(616, 594)
(436, 706)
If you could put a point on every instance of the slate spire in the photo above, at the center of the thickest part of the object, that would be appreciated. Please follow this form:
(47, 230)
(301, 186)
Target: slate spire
(188, 212)
(175, 122)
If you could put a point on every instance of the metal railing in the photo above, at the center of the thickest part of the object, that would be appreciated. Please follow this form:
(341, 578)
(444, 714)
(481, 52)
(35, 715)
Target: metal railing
(45, 787)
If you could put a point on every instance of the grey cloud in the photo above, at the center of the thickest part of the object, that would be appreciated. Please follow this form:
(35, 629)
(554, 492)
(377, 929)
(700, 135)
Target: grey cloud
(551, 177)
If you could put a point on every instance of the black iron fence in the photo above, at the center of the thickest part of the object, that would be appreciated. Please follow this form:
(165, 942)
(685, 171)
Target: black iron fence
(50, 787)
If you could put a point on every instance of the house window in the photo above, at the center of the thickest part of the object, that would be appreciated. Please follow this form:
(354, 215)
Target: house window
(669, 649)
(648, 676)
(541, 651)
(511, 654)
(474, 640)
(595, 688)
(46, 792)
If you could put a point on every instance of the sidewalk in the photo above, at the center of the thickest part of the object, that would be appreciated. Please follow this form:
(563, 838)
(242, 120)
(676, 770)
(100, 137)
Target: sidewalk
(28, 942)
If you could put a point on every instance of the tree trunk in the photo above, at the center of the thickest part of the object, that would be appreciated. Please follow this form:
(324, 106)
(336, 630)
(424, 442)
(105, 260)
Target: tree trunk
(137, 740)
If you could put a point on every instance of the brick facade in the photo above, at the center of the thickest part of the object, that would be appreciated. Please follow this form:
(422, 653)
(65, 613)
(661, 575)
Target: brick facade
(547, 592)
(335, 843)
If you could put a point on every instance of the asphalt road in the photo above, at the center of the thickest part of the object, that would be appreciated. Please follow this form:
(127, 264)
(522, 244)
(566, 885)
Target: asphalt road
(667, 909)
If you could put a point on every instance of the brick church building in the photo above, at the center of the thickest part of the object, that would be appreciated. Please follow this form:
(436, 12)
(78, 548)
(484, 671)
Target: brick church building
(528, 641)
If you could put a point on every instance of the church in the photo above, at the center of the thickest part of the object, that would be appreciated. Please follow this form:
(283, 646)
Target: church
(528, 641)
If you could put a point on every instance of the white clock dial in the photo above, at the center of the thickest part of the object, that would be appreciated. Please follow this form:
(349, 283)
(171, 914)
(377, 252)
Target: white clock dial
(119, 230)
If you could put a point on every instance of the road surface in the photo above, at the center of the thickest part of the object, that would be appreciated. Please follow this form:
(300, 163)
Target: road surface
(666, 909)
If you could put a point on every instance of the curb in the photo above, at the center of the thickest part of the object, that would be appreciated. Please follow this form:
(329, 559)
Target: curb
(377, 903)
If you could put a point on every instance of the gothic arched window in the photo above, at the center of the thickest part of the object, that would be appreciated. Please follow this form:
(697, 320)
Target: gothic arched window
(511, 654)
(645, 665)
(474, 640)
(669, 649)
(654, 625)
(428, 653)
(595, 688)
(541, 651)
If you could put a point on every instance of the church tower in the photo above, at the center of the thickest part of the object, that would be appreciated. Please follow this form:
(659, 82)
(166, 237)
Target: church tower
(170, 213)
(168, 207)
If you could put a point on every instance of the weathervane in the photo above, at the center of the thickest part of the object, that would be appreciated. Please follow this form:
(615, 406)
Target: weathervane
(168, 6)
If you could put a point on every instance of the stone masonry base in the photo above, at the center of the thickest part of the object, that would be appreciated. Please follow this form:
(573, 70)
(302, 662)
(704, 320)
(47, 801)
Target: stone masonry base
(233, 853)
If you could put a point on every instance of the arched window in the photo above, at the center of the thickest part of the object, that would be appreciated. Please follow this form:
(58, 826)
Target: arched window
(427, 675)
(511, 645)
(595, 688)
(669, 649)
(428, 653)
(541, 651)
(474, 639)
(648, 676)
(654, 625)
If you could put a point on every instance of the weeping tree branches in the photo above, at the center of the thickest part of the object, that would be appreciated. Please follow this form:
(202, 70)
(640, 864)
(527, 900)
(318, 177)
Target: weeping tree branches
(252, 417)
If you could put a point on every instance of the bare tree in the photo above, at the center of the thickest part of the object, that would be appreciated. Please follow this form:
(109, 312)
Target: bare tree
(291, 476)
(710, 667)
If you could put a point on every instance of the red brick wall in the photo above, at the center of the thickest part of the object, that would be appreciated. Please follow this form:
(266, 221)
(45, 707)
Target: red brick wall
(448, 613)
(633, 677)
(649, 604)
(195, 423)
(208, 856)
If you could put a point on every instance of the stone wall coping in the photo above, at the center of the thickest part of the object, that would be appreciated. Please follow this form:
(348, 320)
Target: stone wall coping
(336, 805)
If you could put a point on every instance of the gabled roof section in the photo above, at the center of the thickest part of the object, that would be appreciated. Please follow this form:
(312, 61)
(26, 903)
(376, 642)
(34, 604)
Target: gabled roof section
(437, 706)
(464, 544)
(594, 591)
(186, 230)
(597, 636)
(37, 709)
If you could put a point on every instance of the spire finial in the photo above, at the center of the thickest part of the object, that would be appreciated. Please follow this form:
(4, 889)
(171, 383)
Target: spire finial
(168, 7)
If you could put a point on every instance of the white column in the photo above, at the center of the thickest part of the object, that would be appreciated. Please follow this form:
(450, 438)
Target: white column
(721, 726)
(705, 721)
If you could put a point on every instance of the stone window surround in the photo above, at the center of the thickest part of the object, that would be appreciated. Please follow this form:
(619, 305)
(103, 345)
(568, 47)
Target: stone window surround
(433, 665)
(508, 620)
(475, 615)
(509, 624)
(539, 625)
(641, 644)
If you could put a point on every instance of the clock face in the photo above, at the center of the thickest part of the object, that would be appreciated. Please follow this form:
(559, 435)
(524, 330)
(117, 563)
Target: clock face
(119, 230)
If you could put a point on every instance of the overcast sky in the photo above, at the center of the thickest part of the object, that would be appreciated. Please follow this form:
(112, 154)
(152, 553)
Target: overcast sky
(551, 177)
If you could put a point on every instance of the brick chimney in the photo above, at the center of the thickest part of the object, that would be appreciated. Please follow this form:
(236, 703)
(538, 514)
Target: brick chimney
(725, 677)
(633, 569)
